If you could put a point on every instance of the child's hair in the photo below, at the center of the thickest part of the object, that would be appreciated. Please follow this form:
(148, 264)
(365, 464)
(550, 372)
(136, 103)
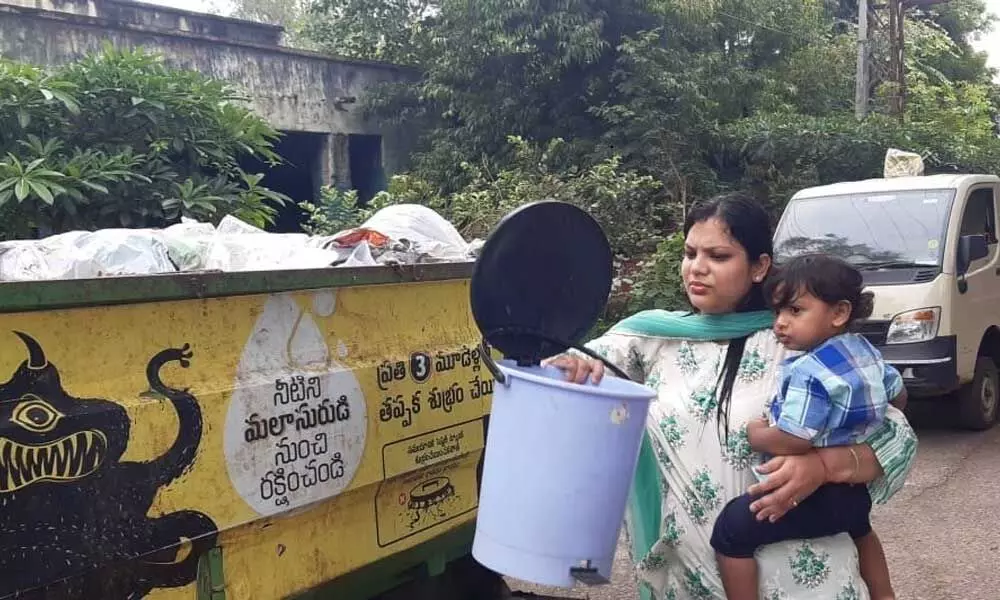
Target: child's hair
(826, 277)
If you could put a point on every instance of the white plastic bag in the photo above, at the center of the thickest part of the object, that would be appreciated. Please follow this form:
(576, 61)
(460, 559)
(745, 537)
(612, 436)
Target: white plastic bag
(85, 255)
(899, 163)
(188, 243)
(430, 235)
(415, 234)
(239, 246)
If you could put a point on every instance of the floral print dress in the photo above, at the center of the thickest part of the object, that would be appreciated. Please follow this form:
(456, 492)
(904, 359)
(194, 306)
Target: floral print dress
(702, 470)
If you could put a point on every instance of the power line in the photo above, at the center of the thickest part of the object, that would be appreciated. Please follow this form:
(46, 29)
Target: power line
(768, 27)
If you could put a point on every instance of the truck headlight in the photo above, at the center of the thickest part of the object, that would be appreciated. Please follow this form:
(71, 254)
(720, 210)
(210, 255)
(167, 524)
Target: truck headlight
(914, 326)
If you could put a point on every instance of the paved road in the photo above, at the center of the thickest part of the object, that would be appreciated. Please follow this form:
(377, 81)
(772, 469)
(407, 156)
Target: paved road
(941, 532)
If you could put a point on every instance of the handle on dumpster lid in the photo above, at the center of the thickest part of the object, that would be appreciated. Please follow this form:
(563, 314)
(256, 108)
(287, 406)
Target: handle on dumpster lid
(497, 374)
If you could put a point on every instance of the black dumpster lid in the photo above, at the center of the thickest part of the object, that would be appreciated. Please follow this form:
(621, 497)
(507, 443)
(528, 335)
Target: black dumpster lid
(542, 280)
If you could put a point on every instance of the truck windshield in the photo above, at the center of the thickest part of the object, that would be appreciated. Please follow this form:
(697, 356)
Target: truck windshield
(873, 230)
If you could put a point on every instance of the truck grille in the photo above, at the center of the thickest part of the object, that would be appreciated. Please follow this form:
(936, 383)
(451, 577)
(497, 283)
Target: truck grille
(876, 332)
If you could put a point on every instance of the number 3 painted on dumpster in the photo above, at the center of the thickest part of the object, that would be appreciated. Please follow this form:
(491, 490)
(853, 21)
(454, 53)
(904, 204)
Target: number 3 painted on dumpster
(420, 366)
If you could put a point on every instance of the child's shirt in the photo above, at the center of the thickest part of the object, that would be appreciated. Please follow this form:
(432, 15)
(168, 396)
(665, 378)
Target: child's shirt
(835, 394)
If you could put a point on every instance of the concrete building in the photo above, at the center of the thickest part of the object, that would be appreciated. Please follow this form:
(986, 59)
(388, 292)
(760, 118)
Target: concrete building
(313, 99)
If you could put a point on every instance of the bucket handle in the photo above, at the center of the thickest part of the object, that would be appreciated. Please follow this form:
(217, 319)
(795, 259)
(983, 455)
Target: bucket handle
(491, 365)
(497, 374)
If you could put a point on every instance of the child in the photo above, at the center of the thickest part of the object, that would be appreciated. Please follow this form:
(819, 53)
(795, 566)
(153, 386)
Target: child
(835, 393)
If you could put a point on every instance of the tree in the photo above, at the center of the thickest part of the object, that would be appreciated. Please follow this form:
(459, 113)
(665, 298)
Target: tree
(117, 139)
(699, 97)
(616, 198)
(290, 14)
(383, 30)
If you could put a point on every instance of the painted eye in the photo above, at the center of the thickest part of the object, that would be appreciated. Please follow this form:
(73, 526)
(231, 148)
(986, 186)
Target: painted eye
(35, 414)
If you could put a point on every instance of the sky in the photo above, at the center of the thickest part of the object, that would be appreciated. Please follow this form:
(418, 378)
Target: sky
(195, 5)
(207, 5)
(990, 42)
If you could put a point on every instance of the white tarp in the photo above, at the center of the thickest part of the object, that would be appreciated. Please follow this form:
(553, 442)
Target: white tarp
(85, 255)
(400, 234)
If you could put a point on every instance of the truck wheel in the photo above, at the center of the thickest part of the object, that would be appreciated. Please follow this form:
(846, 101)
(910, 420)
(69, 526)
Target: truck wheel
(977, 407)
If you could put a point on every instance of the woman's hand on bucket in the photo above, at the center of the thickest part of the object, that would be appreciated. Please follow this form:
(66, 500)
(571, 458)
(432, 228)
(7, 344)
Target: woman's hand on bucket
(577, 369)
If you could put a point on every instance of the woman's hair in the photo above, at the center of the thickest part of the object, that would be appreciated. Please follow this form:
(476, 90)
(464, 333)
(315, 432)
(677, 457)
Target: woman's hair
(749, 224)
(826, 277)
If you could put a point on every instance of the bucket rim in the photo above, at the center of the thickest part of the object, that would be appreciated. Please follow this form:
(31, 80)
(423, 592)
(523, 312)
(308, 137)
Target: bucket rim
(633, 391)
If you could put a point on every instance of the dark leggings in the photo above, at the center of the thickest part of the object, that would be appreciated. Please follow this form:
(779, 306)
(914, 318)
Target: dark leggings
(833, 508)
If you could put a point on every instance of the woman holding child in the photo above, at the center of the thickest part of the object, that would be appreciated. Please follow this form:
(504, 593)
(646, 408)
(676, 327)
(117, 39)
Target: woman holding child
(718, 371)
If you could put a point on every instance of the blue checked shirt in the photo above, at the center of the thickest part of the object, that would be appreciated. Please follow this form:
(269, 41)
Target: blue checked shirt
(835, 394)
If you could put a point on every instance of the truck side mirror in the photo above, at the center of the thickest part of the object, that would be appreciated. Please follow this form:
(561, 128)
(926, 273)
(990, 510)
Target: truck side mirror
(971, 248)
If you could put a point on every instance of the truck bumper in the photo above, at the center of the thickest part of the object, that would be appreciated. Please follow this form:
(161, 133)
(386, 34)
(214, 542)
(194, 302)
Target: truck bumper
(928, 368)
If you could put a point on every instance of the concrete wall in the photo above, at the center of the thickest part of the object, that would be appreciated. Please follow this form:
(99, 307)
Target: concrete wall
(293, 90)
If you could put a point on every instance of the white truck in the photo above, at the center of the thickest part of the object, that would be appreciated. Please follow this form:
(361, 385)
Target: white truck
(927, 247)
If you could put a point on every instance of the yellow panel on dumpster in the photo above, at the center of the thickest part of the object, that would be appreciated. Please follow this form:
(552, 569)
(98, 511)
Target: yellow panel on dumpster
(307, 434)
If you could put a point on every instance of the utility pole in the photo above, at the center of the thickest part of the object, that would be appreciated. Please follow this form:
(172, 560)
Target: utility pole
(897, 67)
(861, 80)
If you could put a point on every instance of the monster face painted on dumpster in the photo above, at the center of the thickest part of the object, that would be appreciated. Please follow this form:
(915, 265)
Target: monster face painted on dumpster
(74, 518)
(47, 436)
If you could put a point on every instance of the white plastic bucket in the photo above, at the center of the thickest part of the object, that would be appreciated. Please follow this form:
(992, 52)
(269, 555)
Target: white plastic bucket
(559, 464)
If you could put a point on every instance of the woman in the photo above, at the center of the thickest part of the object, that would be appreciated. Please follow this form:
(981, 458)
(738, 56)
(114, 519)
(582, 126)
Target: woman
(716, 371)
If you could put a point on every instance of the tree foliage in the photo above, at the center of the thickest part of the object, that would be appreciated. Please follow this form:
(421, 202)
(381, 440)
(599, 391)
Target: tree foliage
(386, 30)
(290, 14)
(618, 200)
(697, 96)
(119, 140)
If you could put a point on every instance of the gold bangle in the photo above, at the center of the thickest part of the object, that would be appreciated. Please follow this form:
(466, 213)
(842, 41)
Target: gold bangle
(857, 463)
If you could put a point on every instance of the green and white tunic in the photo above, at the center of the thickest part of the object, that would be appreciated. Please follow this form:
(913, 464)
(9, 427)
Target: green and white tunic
(700, 473)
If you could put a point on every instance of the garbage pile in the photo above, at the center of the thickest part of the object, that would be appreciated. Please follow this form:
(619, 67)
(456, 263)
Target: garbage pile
(400, 234)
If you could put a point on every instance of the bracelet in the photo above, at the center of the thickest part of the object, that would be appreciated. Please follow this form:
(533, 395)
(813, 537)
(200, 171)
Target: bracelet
(857, 463)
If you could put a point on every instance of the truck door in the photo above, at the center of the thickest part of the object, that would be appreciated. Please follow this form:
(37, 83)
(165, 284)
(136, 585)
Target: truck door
(979, 307)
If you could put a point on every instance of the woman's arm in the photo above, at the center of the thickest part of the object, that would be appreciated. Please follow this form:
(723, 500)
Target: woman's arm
(860, 463)
(624, 351)
(884, 460)
(850, 464)
(895, 448)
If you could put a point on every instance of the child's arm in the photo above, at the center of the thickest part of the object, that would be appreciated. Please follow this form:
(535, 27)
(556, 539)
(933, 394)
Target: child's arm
(764, 438)
(805, 408)
(900, 400)
(894, 388)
